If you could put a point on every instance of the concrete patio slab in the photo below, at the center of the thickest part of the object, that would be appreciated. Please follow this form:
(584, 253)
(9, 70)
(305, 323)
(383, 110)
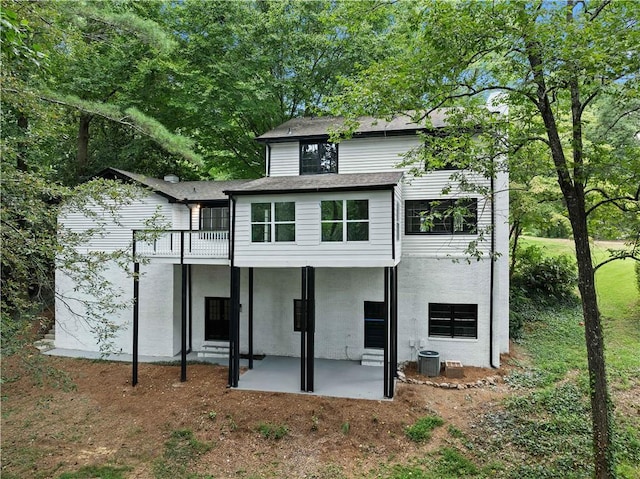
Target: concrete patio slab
(345, 379)
(333, 378)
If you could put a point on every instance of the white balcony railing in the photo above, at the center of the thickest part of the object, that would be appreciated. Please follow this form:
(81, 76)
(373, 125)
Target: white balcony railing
(168, 244)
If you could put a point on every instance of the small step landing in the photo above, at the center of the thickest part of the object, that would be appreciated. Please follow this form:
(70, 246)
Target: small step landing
(373, 358)
(214, 350)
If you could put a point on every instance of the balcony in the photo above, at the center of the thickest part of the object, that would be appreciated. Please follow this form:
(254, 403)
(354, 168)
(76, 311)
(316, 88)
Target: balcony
(188, 246)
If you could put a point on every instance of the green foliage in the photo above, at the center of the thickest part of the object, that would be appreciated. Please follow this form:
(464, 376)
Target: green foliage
(180, 452)
(548, 429)
(637, 270)
(273, 431)
(541, 276)
(453, 463)
(421, 430)
(31, 206)
(97, 472)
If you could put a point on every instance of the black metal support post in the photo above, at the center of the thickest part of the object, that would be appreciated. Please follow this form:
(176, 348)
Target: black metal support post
(303, 331)
(234, 326)
(136, 313)
(386, 333)
(392, 338)
(250, 331)
(307, 329)
(190, 304)
(394, 331)
(311, 326)
(183, 322)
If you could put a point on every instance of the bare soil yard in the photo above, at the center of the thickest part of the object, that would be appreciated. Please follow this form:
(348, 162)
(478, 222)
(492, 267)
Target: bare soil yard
(105, 420)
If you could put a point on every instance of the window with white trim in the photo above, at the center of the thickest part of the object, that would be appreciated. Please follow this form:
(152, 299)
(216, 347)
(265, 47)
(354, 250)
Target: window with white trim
(345, 220)
(273, 222)
(448, 320)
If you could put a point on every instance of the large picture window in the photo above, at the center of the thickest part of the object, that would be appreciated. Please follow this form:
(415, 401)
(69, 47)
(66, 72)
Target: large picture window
(273, 222)
(443, 216)
(345, 220)
(318, 157)
(453, 320)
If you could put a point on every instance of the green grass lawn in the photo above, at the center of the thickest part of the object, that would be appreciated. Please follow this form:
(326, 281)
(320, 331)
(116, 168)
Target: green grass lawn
(619, 303)
(618, 295)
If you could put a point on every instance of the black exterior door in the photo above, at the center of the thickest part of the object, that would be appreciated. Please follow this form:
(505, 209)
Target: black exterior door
(374, 324)
(216, 319)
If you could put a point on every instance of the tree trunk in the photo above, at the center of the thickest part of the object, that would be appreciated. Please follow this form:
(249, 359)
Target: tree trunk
(516, 231)
(599, 392)
(82, 158)
(573, 193)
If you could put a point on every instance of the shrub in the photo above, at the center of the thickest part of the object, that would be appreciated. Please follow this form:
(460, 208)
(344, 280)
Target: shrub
(273, 431)
(638, 275)
(546, 277)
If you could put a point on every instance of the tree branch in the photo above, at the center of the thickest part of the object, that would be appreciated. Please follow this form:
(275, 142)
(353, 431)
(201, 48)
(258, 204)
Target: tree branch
(630, 255)
(612, 200)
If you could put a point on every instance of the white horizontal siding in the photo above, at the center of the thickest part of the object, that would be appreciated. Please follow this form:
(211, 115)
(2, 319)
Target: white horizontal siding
(180, 215)
(308, 249)
(115, 232)
(360, 155)
(366, 155)
(285, 159)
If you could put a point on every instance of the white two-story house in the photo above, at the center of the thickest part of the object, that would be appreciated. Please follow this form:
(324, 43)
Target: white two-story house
(330, 255)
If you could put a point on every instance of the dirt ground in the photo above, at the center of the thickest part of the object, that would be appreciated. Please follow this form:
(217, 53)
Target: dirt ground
(107, 421)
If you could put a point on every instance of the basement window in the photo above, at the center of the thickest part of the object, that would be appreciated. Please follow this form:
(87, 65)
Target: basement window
(453, 320)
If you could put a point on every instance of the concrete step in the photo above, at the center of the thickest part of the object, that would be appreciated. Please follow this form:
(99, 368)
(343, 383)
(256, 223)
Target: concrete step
(373, 358)
(44, 345)
(220, 350)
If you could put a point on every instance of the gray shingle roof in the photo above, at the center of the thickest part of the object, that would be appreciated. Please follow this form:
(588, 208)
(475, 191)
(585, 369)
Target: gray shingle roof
(183, 190)
(311, 183)
(310, 127)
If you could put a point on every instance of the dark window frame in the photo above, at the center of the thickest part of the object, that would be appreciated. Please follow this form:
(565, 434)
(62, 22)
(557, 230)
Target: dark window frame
(315, 167)
(222, 220)
(453, 320)
(447, 224)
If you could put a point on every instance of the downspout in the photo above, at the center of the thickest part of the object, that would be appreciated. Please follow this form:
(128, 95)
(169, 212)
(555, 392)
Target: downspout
(232, 239)
(492, 259)
(268, 166)
(393, 225)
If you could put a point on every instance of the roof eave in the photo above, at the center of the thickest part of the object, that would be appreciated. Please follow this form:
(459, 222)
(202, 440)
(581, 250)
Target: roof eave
(329, 189)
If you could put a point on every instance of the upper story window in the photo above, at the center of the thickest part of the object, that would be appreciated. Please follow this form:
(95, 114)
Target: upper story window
(441, 216)
(214, 219)
(318, 157)
(345, 220)
(273, 222)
